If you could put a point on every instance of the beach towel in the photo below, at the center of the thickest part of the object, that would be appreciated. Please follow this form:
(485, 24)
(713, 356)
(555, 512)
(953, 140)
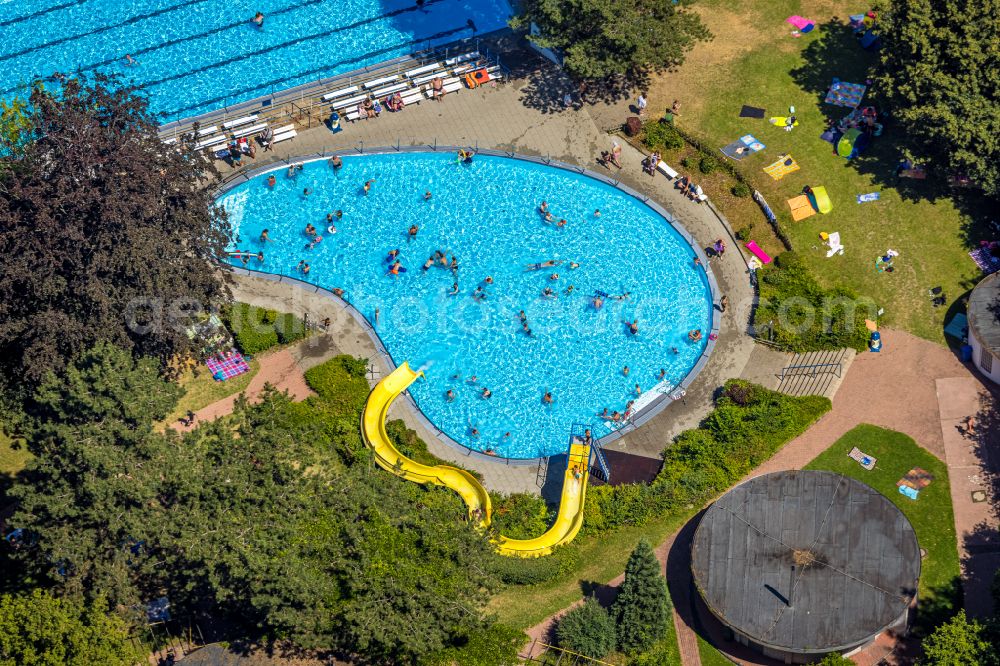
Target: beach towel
(759, 198)
(751, 112)
(782, 167)
(985, 260)
(847, 94)
(917, 478)
(957, 326)
(912, 493)
(865, 460)
(871, 196)
(746, 144)
(801, 207)
(800, 22)
(229, 364)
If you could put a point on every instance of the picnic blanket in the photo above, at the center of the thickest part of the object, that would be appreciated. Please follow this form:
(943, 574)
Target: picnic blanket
(871, 196)
(229, 364)
(751, 112)
(801, 22)
(957, 326)
(784, 166)
(917, 478)
(746, 145)
(801, 207)
(985, 260)
(865, 460)
(847, 94)
(912, 493)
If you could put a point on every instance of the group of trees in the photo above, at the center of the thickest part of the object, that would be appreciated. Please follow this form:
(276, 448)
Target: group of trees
(638, 617)
(271, 519)
(939, 72)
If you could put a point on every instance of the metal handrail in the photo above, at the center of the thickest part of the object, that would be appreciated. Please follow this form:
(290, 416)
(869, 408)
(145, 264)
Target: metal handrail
(812, 367)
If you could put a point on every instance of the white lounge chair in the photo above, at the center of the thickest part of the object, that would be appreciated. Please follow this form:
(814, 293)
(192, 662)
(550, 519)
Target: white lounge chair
(389, 90)
(666, 170)
(472, 55)
(429, 77)
(246, 131)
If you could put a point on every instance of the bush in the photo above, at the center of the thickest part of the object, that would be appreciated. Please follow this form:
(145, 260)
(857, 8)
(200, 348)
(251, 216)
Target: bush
(707, 164)
(687, 162)
(258, 329)
(661, 136)
(806, 317)
(741, 190)
(496, 645)
(587, 629)
(289, 328)
(744, 233)
(520, 515)
(340, 384)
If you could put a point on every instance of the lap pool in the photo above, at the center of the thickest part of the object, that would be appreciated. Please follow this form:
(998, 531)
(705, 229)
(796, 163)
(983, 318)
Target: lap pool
(195, 56)
(486, 216)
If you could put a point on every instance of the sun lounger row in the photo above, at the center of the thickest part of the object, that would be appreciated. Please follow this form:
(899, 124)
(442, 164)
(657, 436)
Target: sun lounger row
(415, 76)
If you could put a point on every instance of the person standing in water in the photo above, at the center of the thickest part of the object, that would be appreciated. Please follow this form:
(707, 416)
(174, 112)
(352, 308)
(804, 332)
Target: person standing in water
(258, 20)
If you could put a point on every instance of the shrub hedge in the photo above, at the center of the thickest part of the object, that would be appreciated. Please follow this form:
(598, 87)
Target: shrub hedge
(495, 645)
(520, 515)
(661, 136)
(803, 316)
(257, 329)
(748, 425)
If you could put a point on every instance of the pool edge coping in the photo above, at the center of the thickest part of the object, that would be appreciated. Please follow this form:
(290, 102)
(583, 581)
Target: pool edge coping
(642, 417)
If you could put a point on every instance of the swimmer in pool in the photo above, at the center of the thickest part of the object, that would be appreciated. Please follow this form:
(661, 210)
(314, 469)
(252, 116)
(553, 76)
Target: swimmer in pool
(675, 350)
(597, 213)
(568, 290)
(638, 390)
(523, 317)
(264, 237)
(554, 277)
(488, 280)
(573, 265)
(561, 223)
(472, 380)
(633, 326)
(368, 186)
(625, 371)
(694, 335)
(661, 374)
(454, 264)
(411, 233)
(486, 393)
(544, 208)
(454, 289)
(393, 254)
(428, 263)
(598, 302)
(545, 264)
(271, 180)
(450, 395)
(258, 20)
(427, 196)
(336, 162)
(548, 293)
(526, 329)
(547, 398)
(260, 257)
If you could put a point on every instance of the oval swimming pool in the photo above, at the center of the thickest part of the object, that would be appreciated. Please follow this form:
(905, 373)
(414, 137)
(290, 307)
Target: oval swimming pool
(464, 327)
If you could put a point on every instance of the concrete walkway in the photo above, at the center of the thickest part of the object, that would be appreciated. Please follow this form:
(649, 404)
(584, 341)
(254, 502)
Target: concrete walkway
(279, 369)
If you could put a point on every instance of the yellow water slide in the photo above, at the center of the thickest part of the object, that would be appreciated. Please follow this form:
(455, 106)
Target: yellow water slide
(568, 520)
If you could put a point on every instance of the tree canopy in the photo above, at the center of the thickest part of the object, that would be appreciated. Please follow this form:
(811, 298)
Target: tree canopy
(642, 609)
(104, 231)
(587, 629)
(605, 38)
(939, 70)
(38, 629)
(959, 642)
(272, 518)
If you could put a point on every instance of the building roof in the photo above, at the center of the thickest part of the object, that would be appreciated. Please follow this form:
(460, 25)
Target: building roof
(806, 561)
(984, 313)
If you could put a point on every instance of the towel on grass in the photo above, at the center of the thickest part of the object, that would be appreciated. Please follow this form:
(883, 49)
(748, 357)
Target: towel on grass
(225, 366)
(782, 167)
(917, 478)
(846, 94)
(746, 145)
(871, 196)
(865, 460)
(751, 112)
(801, 22)
(985, 260)
(912, 493)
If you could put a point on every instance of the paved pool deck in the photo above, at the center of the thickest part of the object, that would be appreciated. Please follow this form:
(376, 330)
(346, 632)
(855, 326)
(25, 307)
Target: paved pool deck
(506, 118)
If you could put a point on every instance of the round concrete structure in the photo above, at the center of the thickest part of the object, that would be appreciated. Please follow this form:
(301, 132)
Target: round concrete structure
(984, 326)
(799, 564)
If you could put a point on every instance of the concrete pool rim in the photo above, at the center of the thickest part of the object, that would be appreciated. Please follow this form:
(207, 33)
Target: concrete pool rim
(660, 403)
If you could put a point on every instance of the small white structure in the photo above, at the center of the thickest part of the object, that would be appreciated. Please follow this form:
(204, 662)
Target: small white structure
(984, 326)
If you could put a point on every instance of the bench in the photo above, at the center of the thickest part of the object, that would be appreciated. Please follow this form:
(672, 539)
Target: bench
(249, 130)
(667, 170)
(339, 93)
(448, 88)
(204, 131)
(390, 89)
(422, 70)
(240, 121)
(211, 141)
(287, 133)
(430, 77)
(413, 97)
(350, 101)
(461, 58)
(381, 82)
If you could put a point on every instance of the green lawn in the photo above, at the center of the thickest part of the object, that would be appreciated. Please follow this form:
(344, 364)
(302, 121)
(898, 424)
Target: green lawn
(13, 455)
(709, 655)
(754, 60)
(202, 390)
(931, 514)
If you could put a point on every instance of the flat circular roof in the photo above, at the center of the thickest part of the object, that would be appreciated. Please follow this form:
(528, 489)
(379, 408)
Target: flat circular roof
(806, 561)
(984, 313)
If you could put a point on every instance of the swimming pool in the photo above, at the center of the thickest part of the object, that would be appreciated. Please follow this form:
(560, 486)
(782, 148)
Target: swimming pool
(485, 215)
(198, 55)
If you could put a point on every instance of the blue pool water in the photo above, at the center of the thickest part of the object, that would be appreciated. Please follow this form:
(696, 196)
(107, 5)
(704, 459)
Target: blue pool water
(486, 216)
(198, 55)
